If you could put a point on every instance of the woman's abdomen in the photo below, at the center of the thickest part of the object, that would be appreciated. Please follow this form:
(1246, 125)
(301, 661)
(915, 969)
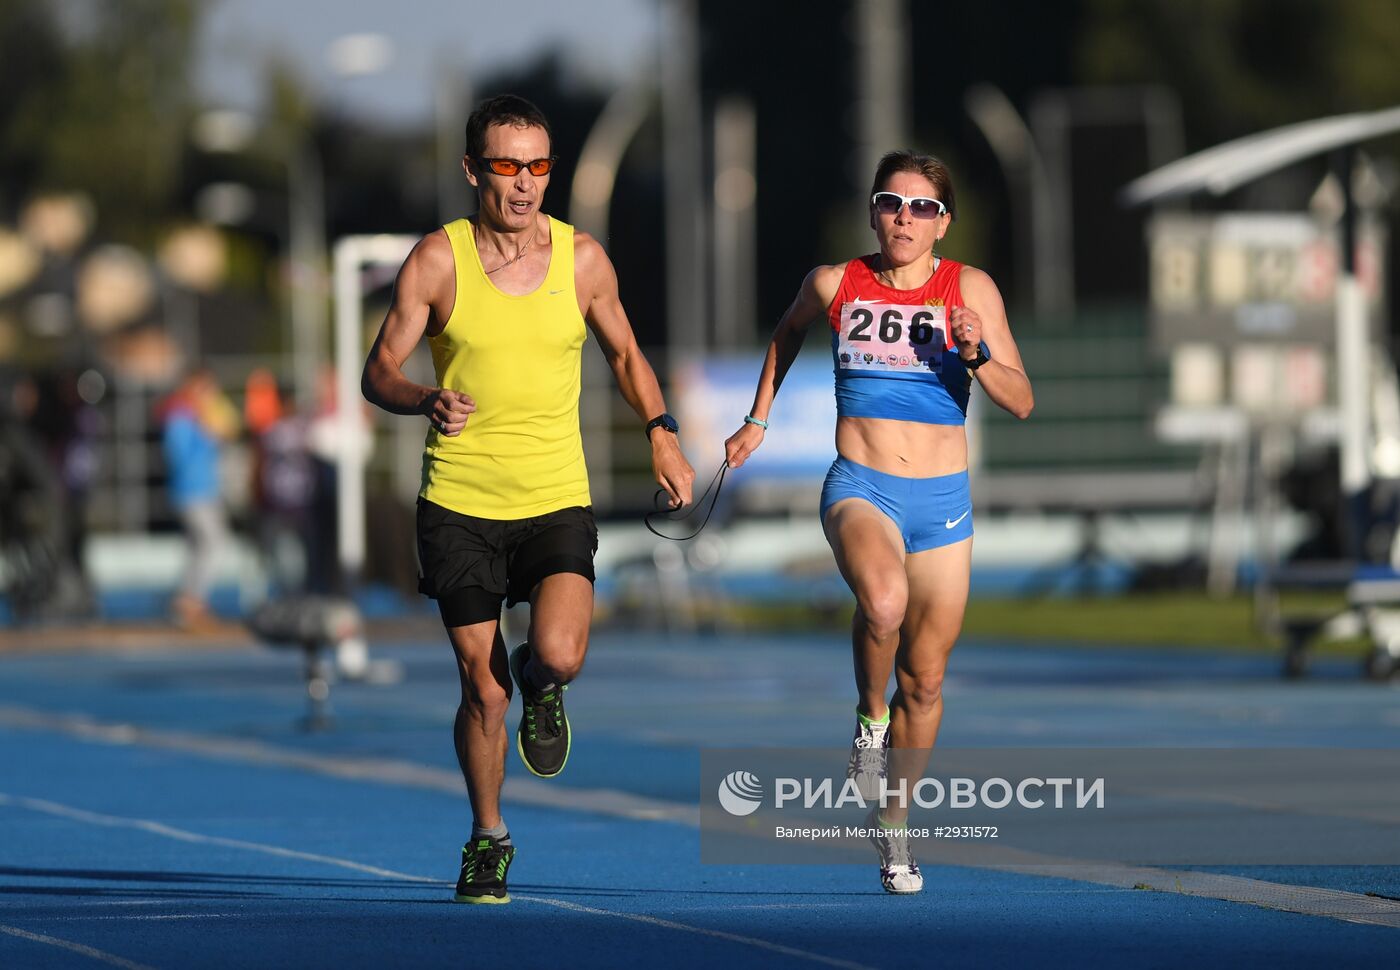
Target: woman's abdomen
(906, 448)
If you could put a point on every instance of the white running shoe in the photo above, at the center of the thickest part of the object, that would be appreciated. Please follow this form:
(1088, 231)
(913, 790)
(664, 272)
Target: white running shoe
(869, 758)
(899, 873)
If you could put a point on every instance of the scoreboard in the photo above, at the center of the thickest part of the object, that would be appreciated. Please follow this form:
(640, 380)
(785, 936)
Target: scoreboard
(1252, 276)
(1244, 304)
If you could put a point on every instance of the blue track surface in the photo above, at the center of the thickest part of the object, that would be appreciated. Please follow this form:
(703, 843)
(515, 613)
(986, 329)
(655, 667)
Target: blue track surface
(165, 810)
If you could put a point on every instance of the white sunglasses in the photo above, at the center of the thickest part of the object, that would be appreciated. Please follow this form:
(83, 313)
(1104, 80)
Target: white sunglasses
(920, 207)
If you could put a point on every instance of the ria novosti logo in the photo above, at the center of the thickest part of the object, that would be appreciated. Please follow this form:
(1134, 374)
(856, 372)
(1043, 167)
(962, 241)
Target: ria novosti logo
(740, 793)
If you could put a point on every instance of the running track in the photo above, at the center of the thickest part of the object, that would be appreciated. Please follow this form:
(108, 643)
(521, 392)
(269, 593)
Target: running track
(163, 809)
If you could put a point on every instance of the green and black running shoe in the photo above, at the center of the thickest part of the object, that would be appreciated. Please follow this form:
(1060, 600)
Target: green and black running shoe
(543, 737)
(485, 863)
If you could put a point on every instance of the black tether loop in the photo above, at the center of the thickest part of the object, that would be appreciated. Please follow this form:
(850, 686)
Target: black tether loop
(659, 499)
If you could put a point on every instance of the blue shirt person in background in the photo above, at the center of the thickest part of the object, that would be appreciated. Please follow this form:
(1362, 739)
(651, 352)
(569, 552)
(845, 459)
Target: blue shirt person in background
(198, 420)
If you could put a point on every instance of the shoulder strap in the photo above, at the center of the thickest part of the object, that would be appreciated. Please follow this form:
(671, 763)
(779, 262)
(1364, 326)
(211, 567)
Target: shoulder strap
(561, 260)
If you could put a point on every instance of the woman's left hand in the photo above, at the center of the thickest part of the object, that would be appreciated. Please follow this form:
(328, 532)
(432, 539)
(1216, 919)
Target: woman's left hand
(967, 330)
(742, 443)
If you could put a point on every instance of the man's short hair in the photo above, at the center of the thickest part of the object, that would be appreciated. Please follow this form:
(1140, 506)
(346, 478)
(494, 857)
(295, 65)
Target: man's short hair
(504, 109)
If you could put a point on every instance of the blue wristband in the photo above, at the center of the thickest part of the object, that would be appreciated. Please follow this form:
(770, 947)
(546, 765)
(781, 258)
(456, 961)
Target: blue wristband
(750, 419)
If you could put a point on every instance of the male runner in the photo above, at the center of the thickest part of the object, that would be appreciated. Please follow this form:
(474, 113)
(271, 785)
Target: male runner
(504, 514)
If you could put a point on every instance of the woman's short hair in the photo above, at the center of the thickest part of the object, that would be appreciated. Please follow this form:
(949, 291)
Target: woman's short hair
(928, 166)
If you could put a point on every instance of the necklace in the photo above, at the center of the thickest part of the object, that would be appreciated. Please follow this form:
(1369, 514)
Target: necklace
(516, 258)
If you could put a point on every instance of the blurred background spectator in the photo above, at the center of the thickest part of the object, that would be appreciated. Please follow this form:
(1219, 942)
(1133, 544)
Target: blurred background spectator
(198, 420)
(284, 485)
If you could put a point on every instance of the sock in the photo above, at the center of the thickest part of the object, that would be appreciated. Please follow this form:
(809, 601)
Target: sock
(532, 677)
(881, 823)
(869, 721)
(497, 831)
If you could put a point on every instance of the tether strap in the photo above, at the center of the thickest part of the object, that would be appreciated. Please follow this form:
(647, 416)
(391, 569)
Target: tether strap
(716, 484)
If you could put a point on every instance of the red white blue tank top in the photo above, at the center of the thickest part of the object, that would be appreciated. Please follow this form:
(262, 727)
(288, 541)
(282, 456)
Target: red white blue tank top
(892, 352)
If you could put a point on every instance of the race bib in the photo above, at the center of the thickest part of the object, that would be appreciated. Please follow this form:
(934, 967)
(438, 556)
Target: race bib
(891, 338)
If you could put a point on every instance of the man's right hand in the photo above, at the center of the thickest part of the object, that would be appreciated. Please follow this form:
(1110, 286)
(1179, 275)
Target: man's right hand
(448, 411)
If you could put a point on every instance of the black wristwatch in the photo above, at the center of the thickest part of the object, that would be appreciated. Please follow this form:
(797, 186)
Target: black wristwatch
(663, 421)
(977, 361)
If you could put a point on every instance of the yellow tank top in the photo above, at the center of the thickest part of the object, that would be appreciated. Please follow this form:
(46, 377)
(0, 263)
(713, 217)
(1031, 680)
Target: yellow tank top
(521, 453)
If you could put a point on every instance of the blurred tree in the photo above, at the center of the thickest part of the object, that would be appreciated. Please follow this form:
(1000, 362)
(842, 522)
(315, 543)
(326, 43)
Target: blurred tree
(98, 103)
(287, 94)
(1246, 65)
(32, 60)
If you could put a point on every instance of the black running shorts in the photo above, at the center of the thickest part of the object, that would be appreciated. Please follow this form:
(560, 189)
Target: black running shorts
(470, 565)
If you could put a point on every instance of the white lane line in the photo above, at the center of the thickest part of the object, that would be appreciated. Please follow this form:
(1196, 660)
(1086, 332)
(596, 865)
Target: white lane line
(1305, 900)
(184, 835)
(151, 916)
(789, 951)
(806, 905)
(102, 956)
(157, 828)
(525, 791)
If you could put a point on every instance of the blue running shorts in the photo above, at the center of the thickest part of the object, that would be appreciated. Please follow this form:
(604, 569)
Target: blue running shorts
(929, 512)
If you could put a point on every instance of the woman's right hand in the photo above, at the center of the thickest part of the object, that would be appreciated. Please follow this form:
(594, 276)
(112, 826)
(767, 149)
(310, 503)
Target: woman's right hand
(742, 443)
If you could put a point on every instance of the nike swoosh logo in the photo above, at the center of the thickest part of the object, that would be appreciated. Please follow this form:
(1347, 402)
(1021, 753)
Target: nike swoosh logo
(949, 523)
(857, 299)
(554, 292)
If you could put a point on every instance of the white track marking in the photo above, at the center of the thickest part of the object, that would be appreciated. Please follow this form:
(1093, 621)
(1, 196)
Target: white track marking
(702, 931)
(1305, 900)
(184, 835)
(525, 791)
(149, 916)
(102, 956)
